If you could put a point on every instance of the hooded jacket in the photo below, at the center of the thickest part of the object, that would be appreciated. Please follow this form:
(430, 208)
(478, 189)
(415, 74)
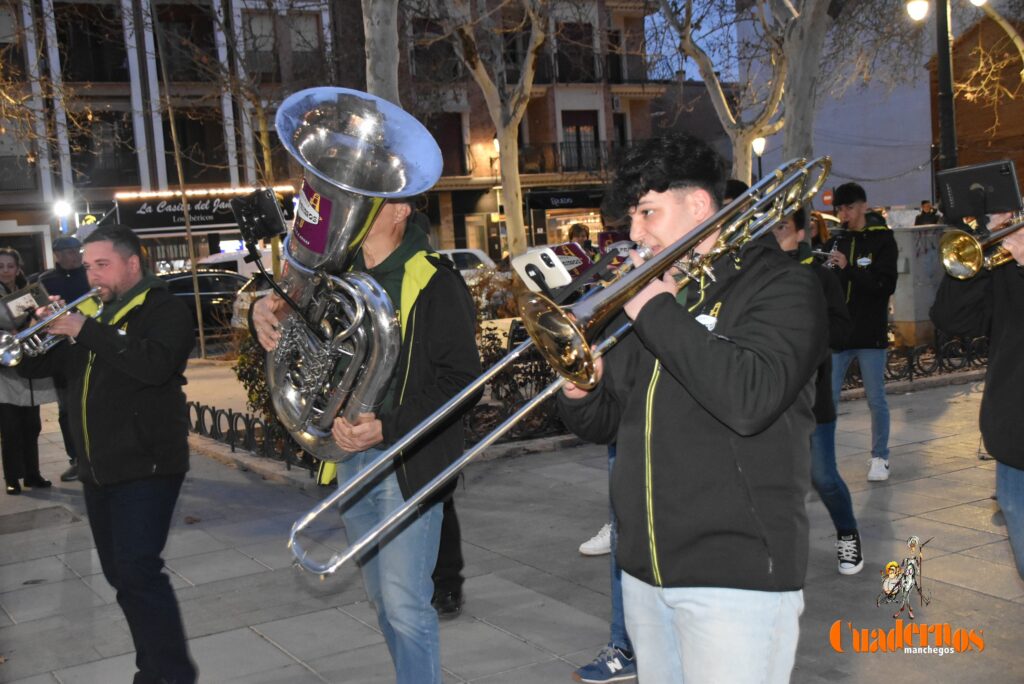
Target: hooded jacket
(992, 303)
(125, 373)
(710, 405)
(868, 281)
(438, 357)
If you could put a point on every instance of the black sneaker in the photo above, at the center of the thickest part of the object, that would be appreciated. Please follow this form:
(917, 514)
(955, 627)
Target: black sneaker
(448, 604)
(851, 561)
(71, 474)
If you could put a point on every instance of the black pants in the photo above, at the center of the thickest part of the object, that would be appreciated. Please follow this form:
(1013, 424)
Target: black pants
(130, 522)
(448, 570)
(19, 441)
(65, 428)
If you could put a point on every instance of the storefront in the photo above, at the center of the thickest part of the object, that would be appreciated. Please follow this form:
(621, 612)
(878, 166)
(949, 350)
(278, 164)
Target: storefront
(552, 213)
(159, 219)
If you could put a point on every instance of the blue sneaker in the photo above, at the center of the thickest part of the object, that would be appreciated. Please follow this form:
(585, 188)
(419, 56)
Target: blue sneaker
(611, 665)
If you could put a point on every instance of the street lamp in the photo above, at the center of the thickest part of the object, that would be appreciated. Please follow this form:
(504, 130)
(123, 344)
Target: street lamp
(757, 145)
(918, 10)
(62, 210)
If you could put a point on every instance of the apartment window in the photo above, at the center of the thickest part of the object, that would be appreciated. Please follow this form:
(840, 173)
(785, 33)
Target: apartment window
(260, 54)
(613, 69)
(515, 45)
(17, 163)
(102, 153)
(90, 41)
(12, 58)
(201, 137)
(188, 42)
(434, 60)
(580, 145)
(576, 53)
(306, 42)
(446, 127)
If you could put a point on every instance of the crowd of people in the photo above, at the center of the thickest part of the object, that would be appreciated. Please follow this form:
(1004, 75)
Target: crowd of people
(719, 410)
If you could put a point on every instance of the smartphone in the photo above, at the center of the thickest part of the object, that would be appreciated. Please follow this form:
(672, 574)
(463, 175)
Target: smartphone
(541, 270)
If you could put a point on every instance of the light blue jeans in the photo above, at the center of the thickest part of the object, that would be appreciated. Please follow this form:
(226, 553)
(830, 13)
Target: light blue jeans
(694, 635)
(1010, 493)
(872, 372)
(397, 574)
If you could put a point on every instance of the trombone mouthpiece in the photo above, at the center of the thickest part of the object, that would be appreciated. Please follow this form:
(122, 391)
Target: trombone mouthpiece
(644, 251)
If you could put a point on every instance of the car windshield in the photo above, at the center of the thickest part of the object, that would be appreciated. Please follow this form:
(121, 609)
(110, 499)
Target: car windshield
(466, 261)
(256, 283)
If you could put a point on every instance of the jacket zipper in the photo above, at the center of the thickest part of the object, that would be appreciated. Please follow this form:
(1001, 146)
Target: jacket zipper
(85, 422)
(648, 478)
(849, 263)
(757, 519)
(405, 379)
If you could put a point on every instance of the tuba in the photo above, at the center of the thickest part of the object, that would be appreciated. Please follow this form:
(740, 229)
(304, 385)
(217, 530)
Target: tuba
(340, 344)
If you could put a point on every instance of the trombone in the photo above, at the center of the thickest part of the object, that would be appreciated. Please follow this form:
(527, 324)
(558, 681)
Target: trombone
(561, 335)
(964, 255)
(29, 343)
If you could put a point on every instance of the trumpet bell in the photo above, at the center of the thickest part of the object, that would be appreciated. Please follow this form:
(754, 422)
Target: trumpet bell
(10, 350)
(962, 255)
(558, 339)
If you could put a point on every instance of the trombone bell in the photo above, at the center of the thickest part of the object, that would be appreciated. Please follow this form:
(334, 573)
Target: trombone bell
(559, 339)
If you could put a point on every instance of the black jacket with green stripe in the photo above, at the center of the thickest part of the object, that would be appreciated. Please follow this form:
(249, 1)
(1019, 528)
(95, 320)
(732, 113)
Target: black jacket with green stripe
(868, 280)
(713, 427)
(125, 374)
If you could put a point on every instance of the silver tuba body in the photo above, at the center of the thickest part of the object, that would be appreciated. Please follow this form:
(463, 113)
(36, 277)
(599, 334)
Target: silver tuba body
(338, 350)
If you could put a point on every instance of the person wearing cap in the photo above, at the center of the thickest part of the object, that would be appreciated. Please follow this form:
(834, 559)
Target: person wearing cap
(864, 257)
(68, 280)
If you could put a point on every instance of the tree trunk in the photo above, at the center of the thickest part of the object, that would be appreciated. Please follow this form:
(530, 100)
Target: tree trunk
(512, 193)
(380, 28)
(803, 48)
(741, 154)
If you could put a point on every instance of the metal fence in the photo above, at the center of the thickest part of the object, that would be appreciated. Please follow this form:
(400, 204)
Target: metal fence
(512, 388)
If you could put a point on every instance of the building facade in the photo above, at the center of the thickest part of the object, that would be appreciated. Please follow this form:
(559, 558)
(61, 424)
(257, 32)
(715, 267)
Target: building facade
(99, 82)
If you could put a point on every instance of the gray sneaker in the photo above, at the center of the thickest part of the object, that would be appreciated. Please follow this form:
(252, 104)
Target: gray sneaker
(71, 474)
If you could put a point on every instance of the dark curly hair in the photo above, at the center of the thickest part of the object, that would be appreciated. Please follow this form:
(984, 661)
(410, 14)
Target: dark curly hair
(668, 163)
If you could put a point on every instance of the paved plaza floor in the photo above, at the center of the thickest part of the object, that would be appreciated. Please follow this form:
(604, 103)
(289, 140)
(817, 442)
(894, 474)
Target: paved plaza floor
(535, 608)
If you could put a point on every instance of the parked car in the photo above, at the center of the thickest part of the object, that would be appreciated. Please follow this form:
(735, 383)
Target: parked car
(217, 290)
(254, 288)
(469, 261)
(235, 261)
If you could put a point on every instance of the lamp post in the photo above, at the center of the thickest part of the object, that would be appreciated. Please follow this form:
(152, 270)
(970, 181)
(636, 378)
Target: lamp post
(62, 210)
(757, 145)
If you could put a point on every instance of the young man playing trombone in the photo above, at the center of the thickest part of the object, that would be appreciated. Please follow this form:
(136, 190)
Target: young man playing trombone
(709, 399)
(438, 358)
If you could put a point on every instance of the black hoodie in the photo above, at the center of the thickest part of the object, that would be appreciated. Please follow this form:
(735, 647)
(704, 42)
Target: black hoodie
(868, 280)
(713, 427)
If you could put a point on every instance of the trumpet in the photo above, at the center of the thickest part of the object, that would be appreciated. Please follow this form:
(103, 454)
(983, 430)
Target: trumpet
(561, 335)
(964, 255)
(29, 342)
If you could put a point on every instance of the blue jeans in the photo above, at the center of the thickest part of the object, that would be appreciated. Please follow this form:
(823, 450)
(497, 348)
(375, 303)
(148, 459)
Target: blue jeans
(1010, 492)
(826, 478)
(872, 371)
(130, 522)
(397, 573)
(619, 636)
(692, 635)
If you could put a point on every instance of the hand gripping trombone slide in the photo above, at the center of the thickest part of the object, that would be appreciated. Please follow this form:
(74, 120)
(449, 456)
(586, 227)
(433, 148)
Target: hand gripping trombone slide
(561, 335)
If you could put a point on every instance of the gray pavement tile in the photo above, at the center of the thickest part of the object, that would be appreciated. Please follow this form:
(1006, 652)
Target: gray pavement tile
(366, 665)
(996, 552)
(33, 572)
(980, 476)
(559, 627)
(82, 563)
(546, 672)
(471, 649)
(946, 537)
(276, 555)
(292, 674)
(32, 544)
(117, 669)
(958, 492)
(978, 575)
(99, 585)
(46, 678)
(32, 603)
(214, 566)
(968, 515)
(898, 501)
(190, 541)
(316, 635)
(235, 655)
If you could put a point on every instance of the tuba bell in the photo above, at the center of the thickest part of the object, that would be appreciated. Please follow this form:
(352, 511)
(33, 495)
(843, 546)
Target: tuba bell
(339, 347)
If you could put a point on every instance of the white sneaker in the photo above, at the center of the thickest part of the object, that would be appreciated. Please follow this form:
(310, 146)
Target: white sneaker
(879, 470)
(599, 544)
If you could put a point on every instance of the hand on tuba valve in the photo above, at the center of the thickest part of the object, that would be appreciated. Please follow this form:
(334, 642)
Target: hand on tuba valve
(28, 342)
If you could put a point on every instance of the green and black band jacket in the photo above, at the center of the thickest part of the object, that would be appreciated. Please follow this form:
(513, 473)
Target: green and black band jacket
(713, 426)
(125, 375)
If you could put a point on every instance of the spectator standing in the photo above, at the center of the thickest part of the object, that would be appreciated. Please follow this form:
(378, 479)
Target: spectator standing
(67, 280)
(991, 304)
(20, 399)
(130, 425)
(928, 216)
(709, 402)
(864, 257)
